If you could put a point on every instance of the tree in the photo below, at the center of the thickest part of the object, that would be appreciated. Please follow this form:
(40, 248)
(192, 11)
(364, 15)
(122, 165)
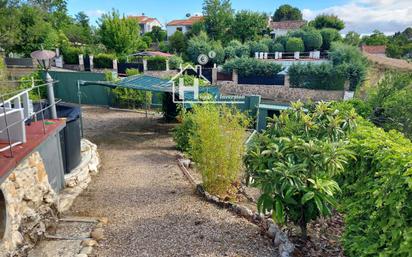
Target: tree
(201, 44)
(295, 44)
(9, 26)
(177, 42)
(328, 36)
(197, 27)
(82, 19)
(157, 34)
(352, 38)
(376, 38)
(294, 160)
(327, 21)
(248, 25)
(287, 13)
(218, 18)
(119, 34)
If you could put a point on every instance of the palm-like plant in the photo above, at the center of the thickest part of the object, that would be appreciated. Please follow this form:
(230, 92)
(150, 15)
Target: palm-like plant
(293, 162)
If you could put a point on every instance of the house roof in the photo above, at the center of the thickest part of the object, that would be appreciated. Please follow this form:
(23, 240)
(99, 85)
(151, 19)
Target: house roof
(142, 19)
(380, 49)
(187, 22)
(286, 25)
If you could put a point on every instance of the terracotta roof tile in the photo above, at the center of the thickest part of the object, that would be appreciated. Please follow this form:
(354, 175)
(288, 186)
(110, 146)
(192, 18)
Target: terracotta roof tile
(143, 19)
(186, 22)
(287, 24)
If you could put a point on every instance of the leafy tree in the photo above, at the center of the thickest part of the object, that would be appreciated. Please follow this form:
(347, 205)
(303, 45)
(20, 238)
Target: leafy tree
(248, 25)
(201, 44)
(352, 38)
(9, 26)
(376, 38)
(119, 34)
(295, 44)
(157, 34)
(177, 42)
(327, 21)
(236, 49)
(218, 18)
(294, 160)
(287, 13)
(197, 27)
(257, 47)
(328, 36)
(83, 20)
(276, 47)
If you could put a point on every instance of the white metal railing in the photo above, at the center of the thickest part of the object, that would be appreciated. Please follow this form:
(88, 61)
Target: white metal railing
(15, 111)
(291, 55)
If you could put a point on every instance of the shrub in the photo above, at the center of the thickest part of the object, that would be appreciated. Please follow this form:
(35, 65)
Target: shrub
(71, 55)
(201, 44)
(132, 72)
(282, 40)
(217, 146)
(183, 132)
(294, 160)
(277, 47)
(174, 62)
(257, 47)
(328, 36)
(156, 63)
(351, 61)
(236, 49)
(316, 76)
(377, 194)
(312, 40)
(294, 44)
(251, 66)
(103, 61)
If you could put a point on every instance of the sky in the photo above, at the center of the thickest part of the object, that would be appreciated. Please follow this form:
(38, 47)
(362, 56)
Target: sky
(362, 16)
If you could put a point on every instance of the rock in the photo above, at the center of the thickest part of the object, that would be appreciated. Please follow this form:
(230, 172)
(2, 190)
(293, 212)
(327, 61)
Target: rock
(97, 234)
(87, 250)
(280, 238)
(286, 249)
(185, 162)
(104, 220)
(89, 242)
(81, 255)
(245, 212)
(272, 231)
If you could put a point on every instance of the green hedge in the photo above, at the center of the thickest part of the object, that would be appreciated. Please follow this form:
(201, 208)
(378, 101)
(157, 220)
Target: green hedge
(156, 63)
(377, 194)
(71, 55)
(103, 61)
(316, 76)
(295, 44)
(251, 66)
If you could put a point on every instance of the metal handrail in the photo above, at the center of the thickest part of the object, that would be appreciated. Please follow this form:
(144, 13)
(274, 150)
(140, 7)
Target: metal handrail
(25, 94)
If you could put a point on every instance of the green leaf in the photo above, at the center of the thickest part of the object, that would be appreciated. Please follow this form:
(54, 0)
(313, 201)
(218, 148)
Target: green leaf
(306, 197)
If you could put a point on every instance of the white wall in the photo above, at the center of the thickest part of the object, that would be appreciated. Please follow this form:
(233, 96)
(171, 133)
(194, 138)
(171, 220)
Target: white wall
(172, 29)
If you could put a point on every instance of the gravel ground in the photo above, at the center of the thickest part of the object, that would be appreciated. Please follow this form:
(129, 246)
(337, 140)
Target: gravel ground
(152, 209)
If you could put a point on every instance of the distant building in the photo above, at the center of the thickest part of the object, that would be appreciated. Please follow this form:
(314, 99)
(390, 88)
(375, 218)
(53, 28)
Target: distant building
(281, 28)
(146, 23)
(182, 25)
(376, 50)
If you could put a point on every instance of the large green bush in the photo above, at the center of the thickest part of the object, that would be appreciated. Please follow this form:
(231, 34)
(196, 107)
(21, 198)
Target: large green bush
(328, 36)
(316, 76)
(201, 44)
(156, 63)
(351, 61)
(175, 62)
(255, 47)
(276, 47)
(251, 66)
(71, 55)
(377, 194)
(294, 44)
(294, 160)
(217, 146)
(103, 61)
(312, 40)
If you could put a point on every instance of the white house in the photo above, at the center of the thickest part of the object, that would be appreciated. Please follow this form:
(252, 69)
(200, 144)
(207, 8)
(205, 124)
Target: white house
(182, 25)
(281, 28)
(146, 23)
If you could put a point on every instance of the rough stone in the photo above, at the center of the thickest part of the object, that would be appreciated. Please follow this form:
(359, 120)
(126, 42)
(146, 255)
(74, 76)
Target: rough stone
(87, 250)
(272, 231)
(97, 234)
(89, 242)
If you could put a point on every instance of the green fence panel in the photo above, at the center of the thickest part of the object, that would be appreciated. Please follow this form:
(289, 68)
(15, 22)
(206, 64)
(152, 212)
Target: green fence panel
(66, 88)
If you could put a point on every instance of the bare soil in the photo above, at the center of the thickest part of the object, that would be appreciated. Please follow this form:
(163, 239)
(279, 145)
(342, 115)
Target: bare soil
(152, 208)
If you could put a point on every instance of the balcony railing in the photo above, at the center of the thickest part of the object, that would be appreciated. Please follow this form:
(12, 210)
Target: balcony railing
(15, 110)
(312, 55)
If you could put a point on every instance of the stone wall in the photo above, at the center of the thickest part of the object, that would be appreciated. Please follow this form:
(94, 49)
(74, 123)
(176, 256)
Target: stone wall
(281, 94)
(31, 203)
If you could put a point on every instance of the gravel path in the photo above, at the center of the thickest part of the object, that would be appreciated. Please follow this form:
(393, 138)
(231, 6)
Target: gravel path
(152, 209)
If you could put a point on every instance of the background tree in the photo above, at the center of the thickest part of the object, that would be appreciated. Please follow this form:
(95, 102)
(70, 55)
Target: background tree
(119, 34)
(157, 34)
(295, 44)
(218, 18)
(287, 13)
(177, 42)
(327, 21)
(197, 27)
(376, 38)
(352, 38)
(248, 25)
